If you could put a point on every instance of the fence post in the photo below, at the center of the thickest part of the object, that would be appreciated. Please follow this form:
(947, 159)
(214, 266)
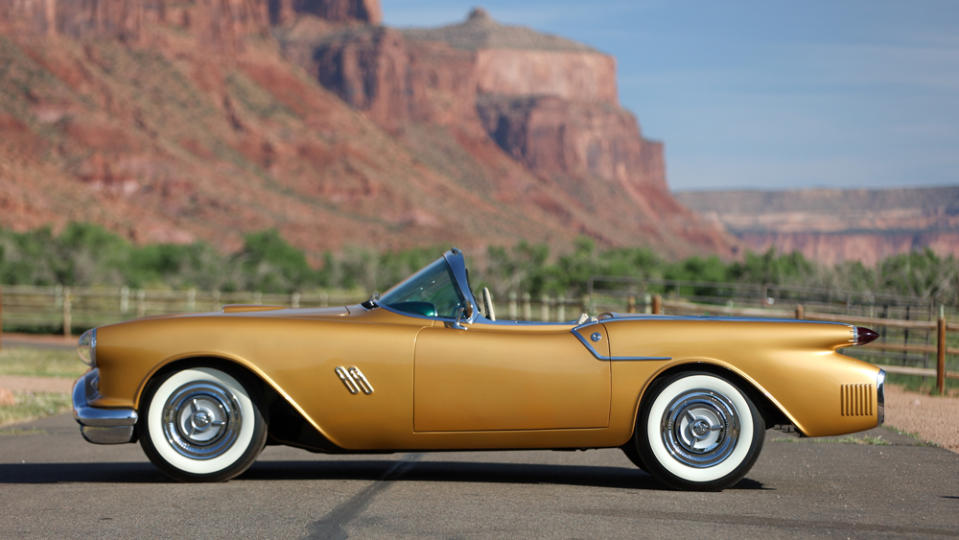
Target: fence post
(67, 315)
(513, 312)
(800, 311)
(657, 304)
(141, 303)
(295, 300)
(1, 318)
(527, 307)
(124, 299)
(647, 303)
(941, 353)
(544, 307)
(561, 308)
(631, 304)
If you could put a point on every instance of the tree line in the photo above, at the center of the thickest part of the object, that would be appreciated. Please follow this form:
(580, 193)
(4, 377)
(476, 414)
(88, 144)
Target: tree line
(84, 254)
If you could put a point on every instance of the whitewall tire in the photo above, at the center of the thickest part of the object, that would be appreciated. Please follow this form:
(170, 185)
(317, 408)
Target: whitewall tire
(201, 424)
(699, 431)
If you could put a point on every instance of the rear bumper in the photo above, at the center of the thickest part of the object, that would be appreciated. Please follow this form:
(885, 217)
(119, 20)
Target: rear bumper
(99, 425)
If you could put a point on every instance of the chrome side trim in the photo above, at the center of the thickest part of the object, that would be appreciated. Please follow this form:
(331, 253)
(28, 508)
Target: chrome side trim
(346, 379)
(618, 317)
(354, 380)
(99, 425)
(361, 380)
(589, 347)
(881, 396)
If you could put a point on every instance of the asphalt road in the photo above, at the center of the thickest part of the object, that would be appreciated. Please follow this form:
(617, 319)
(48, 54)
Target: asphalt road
(55, 485)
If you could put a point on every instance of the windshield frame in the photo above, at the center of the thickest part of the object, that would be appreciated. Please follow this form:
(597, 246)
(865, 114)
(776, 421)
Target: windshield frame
(456, 266)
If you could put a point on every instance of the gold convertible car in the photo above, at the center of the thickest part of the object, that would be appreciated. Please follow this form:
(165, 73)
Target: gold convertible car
(423, 367)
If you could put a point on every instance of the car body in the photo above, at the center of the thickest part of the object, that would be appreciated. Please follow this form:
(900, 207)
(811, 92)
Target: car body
(423, 368)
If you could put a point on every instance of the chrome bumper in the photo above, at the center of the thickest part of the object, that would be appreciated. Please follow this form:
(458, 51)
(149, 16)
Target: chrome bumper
(99, 425)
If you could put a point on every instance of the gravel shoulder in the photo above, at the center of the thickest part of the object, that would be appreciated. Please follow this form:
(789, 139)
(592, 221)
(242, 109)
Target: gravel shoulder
(931, 418)
(17, 383)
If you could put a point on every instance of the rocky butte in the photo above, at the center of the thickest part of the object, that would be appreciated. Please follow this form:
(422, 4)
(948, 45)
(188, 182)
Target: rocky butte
(835, 225)
(203, 119)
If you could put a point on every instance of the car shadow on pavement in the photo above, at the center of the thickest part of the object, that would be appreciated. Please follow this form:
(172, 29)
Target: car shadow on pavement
(52, 473)
(466, 471)
(423, 471)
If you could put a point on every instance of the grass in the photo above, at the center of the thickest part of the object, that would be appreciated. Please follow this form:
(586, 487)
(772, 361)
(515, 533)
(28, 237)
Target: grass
(31, 405)
(918, 438)
(30, 362)
(923, 385)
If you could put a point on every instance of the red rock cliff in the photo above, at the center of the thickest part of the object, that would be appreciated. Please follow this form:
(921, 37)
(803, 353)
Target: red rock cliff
(833, 225)
(548, 103)
(180, 120)
(218, 23)
(341, 11)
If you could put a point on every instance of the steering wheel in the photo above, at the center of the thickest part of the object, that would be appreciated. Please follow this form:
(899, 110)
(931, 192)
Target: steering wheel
(488, 304)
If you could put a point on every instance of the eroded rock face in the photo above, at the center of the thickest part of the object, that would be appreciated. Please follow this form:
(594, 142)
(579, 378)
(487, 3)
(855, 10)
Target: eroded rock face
(571, 75)
(557, 136)
(548, 103)
(835, 225)
(193, 119)
(341, 11)
(217, 23)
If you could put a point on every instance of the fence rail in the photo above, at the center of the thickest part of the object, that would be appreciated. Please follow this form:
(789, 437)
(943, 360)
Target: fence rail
(904, 343)
(938, 328)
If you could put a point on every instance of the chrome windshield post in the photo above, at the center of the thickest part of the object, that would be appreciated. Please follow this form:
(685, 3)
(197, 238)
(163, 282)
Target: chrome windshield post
(461, 319)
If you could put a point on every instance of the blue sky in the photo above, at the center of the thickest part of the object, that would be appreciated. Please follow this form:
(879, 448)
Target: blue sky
(768, 94)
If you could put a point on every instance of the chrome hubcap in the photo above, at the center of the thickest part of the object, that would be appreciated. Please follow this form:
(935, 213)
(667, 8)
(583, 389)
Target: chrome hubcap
(700, 428)
(201, 420)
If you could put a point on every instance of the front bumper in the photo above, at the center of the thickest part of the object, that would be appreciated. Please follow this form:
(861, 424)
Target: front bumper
(99, 425)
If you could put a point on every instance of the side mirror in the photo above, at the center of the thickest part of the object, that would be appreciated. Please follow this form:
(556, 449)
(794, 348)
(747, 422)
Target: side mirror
(462, 316)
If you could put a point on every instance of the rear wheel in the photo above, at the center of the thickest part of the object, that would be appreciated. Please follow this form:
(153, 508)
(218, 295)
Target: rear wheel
(201, 424)
(698, 431)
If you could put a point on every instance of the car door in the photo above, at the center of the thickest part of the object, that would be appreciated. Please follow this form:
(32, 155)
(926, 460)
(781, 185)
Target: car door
(502, 376)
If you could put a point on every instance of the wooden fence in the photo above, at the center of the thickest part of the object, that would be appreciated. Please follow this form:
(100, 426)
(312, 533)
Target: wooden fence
(939, 328)
(66, 310)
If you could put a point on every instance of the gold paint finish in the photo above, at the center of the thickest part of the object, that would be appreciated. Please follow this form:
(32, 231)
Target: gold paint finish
(499, 377)
(490, 385)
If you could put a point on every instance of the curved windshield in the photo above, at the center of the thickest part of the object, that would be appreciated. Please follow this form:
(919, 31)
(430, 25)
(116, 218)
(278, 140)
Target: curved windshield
(429, 292)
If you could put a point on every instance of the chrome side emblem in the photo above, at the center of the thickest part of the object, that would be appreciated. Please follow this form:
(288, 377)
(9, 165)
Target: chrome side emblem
(354, 380)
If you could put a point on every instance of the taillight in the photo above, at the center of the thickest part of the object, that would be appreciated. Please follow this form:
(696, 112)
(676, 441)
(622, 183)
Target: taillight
(863, 335)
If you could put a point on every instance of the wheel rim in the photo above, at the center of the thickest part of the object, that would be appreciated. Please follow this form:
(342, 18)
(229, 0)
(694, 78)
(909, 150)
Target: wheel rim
(201, 420)
(700, 428)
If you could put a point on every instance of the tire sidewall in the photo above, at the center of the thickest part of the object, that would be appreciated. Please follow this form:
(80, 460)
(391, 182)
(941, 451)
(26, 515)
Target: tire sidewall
(664, 466)
(249, 441)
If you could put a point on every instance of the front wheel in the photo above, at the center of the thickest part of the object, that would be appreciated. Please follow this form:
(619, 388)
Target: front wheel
(698, 431)
(201, 424)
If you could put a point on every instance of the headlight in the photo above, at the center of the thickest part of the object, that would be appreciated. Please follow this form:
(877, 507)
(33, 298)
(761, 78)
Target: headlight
(87, 347)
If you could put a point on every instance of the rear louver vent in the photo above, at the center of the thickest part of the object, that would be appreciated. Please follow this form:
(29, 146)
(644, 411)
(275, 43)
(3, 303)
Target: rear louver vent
(856, 399)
